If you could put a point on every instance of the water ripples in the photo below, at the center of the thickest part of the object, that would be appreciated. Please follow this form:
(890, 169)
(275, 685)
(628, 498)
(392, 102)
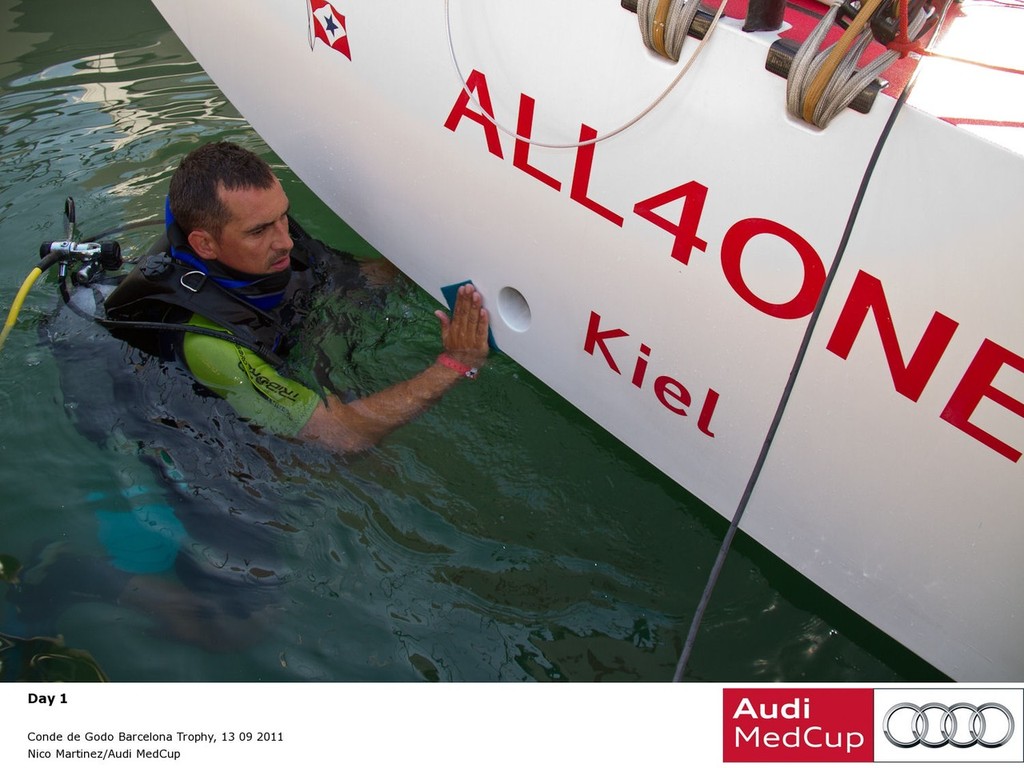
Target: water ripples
(68, 124)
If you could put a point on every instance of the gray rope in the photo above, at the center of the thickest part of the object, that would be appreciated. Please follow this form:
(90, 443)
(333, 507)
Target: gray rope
(755, 474)
(734, 524)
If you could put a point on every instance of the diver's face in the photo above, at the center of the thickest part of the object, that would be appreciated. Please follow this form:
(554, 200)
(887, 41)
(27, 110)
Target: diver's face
(255, 239)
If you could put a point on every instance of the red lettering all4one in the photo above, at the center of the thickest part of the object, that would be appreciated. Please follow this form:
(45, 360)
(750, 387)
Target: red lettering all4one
(910, 378)
(866, 294)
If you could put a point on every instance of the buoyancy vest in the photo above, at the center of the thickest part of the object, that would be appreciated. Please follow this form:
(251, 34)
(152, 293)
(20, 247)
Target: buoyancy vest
(152, 305)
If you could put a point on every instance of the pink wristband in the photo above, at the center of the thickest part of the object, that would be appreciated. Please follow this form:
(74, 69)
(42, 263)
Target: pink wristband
(450, 362)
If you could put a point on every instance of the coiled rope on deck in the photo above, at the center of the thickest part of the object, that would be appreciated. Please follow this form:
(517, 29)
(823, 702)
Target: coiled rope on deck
(677, 34)
(664, 24)
(822, 84)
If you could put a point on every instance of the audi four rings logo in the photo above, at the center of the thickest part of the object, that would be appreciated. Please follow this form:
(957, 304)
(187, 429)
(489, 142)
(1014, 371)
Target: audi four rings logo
(916, 725)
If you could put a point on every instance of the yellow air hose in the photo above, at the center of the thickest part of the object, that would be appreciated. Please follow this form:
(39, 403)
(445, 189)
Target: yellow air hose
(12, 316)
(47, 261)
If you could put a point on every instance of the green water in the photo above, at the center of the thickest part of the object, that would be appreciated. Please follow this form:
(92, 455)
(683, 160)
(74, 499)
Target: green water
(503, 536)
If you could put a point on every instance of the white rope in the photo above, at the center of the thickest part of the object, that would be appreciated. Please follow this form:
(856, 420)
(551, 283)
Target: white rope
(602, 137)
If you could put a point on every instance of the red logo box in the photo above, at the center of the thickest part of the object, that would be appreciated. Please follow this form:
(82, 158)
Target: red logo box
(794, 725)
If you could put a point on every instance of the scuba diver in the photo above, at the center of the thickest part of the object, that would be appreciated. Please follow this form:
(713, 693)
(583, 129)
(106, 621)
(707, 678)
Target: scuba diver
(237, 264)
(220, 303)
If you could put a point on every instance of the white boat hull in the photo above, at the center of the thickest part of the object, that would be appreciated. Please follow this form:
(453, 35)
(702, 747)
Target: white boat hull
(663, 280)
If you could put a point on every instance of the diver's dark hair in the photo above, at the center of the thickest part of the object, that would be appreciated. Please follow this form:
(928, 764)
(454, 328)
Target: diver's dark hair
(193, 195)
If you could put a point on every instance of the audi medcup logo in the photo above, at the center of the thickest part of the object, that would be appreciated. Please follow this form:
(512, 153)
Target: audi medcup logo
(797, 725)
(947, 725)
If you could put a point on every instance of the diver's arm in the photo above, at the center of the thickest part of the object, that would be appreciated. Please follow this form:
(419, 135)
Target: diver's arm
(360, 424)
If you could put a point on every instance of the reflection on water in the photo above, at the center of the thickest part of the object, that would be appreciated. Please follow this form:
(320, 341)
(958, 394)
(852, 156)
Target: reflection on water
(500, 537)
